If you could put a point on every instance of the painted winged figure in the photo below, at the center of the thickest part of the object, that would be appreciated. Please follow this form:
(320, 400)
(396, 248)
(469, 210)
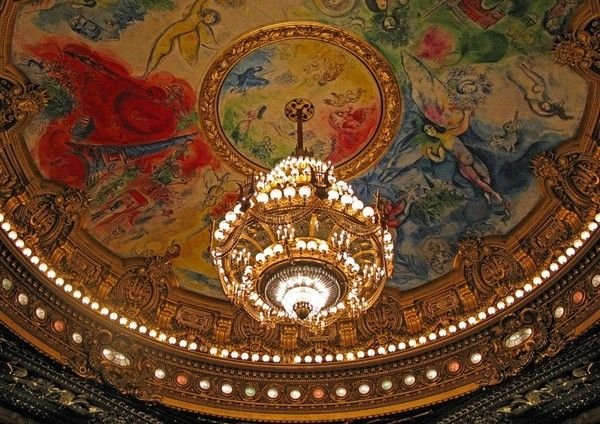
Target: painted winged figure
(445, 123)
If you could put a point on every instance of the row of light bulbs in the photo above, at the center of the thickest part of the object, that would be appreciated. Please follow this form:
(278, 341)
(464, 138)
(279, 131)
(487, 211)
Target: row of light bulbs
(482, 315)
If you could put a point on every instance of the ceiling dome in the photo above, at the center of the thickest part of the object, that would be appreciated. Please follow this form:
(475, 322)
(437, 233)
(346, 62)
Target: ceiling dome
(128, 128)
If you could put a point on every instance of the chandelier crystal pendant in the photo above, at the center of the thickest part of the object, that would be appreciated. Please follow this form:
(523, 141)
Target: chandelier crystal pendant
(300, 247)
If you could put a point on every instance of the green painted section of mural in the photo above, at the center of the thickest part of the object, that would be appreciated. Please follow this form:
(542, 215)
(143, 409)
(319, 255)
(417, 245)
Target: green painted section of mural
(481, 94)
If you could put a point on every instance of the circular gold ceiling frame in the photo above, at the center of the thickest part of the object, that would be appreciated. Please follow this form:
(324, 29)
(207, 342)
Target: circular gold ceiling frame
(570, 200)
(391, 103)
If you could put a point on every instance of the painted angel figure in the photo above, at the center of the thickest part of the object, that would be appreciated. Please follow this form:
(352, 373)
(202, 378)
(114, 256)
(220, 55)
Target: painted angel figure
(191, 32)
(446, 124)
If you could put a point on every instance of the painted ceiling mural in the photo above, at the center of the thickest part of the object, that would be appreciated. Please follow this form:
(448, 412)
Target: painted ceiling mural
(481, 97)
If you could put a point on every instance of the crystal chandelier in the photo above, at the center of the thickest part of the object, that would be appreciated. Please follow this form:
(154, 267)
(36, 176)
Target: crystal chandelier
(299, 247)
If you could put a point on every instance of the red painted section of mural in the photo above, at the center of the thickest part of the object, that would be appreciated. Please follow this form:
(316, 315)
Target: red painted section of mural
(353, 127)
(115, 109)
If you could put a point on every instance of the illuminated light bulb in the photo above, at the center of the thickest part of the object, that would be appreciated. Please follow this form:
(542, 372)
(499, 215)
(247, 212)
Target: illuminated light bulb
(462, 325)
(432, 336)
(262, 197)
(412, 342)
(347, 199)
(510, 300)
(323, 247)
(452, 329)
(585, 235)
(519, 293)
(20, 243)
(545, 274)
(392, 348)
(371, 352)
(95, 306)
(278, 249)
(472, 320)
(357, 205)
(577, 244)
(213, 350)
(224, 226)
(113, 316)
(297, 359)
(339, 357)
(304, 191)
(230, 216)
(368, 212)
(276, 194)
(333, 195)
(562, 259)
(12, 235)
(537, 281)
(592, 226)
(27, 251)
(570, 251)
(597, 218)
(143, 329)
(442, 332)
(260, 257)
(422, 340)
(268, 252)
(311, 245)
(289, 192)
(86, 300)
(122, 320)
(5, 226)
(219, 235)
(301, 244)
(401, 345)
(35, 260)
(528, 287)
(554, 267)
(491, 310)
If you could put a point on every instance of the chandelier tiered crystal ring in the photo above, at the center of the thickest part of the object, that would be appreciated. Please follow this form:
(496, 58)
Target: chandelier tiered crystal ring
(300, 247)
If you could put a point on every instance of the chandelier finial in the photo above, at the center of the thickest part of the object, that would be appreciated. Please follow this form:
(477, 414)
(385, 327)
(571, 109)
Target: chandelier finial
(300, 110)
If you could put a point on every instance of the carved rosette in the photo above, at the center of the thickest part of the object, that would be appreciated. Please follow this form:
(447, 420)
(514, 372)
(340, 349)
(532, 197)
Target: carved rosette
(489, 269)
(17, 101)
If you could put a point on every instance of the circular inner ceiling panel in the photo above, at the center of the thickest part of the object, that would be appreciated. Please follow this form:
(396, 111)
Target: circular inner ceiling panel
(350, 84)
